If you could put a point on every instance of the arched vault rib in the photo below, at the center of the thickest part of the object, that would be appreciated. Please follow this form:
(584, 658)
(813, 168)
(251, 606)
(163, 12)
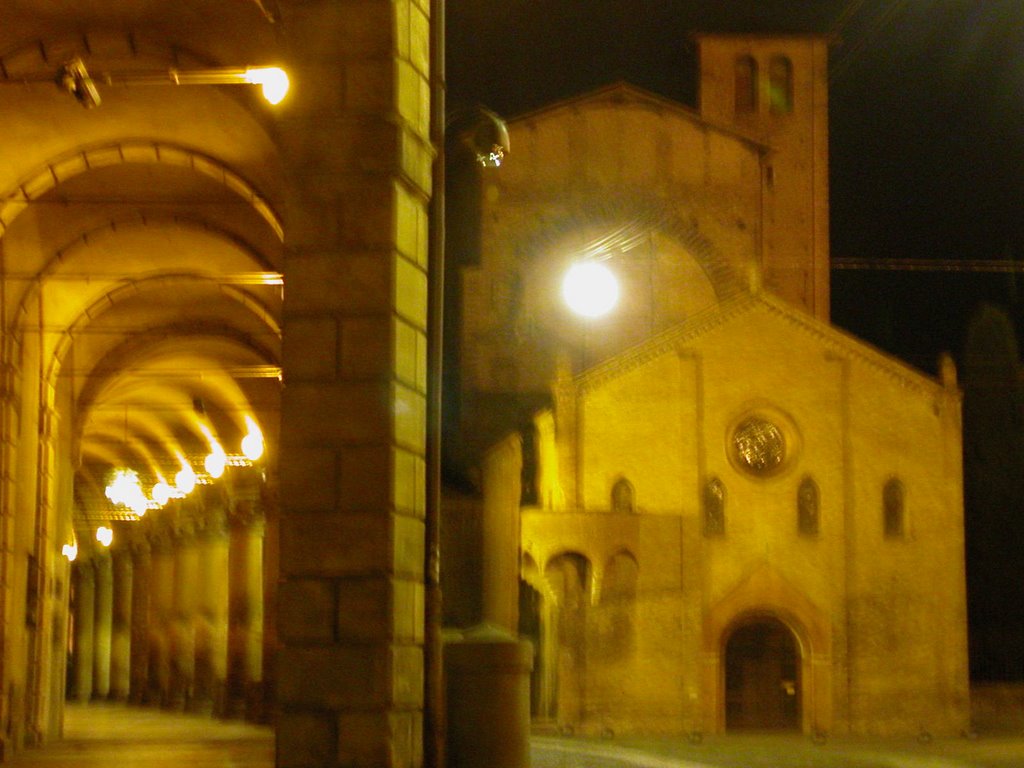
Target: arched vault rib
(65, 254)
(623, 217)
(119, 358)
(128, 288)
(62, 168)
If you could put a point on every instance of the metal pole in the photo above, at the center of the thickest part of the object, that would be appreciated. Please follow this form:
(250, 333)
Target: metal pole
(434, 721)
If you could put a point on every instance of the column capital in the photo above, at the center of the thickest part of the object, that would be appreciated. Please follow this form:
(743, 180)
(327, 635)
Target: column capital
(140, 544)
(245, 514)
(161, 538)
(213, 523)
(85, 570)
(183, 529)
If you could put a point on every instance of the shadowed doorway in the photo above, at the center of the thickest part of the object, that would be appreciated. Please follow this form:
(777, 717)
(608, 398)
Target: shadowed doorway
(762, 686)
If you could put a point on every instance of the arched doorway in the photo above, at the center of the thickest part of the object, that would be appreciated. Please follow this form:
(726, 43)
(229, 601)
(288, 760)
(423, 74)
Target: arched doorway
(570, 578)
(762, 676)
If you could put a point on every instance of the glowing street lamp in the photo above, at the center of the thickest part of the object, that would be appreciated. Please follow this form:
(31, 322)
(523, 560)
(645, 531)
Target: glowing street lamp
(215, 462)
(185, 479)
(161, 492)
(217, 459)
(252, 443)
(104, 535)
(590, 289)
(272, 80)
(124, 489)
(74, 78)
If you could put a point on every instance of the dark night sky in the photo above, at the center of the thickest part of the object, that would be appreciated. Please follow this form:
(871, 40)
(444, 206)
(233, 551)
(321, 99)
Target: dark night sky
(926, 117)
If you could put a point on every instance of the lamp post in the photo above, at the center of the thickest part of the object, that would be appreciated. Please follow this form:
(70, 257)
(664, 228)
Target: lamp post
(482, 135)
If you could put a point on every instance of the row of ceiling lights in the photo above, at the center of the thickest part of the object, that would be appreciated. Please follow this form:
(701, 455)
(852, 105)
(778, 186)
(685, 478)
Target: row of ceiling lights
(125, 488)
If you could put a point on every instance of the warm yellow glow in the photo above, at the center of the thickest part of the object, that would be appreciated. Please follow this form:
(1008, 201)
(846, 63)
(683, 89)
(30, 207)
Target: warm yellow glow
(161, 492)
(70, 551)
(273, 80)
(126, 490)
(215, 463)
(104, 535)
(590, 289)
(185, 480)
(217, 458)
(252, 443)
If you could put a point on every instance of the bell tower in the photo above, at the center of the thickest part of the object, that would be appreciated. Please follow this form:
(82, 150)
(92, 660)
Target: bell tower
(774, 88)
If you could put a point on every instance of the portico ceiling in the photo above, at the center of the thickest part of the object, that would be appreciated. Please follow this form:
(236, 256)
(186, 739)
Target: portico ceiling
(141, 256)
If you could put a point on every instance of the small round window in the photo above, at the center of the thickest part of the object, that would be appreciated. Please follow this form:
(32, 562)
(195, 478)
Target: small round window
(759, 445)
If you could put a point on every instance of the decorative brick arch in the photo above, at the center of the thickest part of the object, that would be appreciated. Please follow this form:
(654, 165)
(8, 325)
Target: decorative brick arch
(85, 159)
(627, 215)
(766, 593)
(64, 256)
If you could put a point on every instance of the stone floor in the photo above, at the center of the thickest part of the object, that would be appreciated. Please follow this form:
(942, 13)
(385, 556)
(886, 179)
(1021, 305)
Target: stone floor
(116, 736)
(113, 736)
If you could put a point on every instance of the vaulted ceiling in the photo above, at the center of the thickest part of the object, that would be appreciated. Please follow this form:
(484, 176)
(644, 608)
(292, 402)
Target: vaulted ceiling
(141, 252)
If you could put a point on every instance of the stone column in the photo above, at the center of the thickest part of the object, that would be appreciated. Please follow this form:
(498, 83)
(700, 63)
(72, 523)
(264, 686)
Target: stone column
(85, 627)
(141, 577)
(161, 605)
(103, 622)
(121, 620)
(211, 617)
(245, 612)
(271, 569)
(182, 625)
(351, 462)
(502, 471)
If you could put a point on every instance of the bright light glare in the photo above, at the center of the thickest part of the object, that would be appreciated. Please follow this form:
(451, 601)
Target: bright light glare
(590, 289)
(217, 459)
(273, 80)
(252, 443)
(161, 493)
(185, 480)
(125, 489)
(104, 535)
(215, 463)
(70, 551)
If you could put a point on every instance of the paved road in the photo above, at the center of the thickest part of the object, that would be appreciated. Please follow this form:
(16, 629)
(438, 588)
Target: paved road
(778, 752)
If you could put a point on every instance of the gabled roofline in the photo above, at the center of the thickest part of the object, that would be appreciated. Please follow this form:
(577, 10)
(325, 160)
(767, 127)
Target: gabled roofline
(626, 90)
(743, 303)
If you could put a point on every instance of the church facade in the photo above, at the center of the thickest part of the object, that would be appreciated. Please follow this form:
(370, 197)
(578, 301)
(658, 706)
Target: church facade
(731, 514)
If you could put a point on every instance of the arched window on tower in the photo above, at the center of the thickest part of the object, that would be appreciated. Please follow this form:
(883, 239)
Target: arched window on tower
(893, 503)
(714, 507)
(780, 85)
(623, 496)
(746, 85)
(807, 503)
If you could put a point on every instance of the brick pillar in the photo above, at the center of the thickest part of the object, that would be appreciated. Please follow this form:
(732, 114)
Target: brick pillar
(211, 618)
(161, 605)
(85, 616)
(141, 578)
(121, 621)
(245, 612)
(355, 138)
(182, 628)
(103, 621)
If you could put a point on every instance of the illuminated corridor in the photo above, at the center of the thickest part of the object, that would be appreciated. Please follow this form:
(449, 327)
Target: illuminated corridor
(178, 528)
